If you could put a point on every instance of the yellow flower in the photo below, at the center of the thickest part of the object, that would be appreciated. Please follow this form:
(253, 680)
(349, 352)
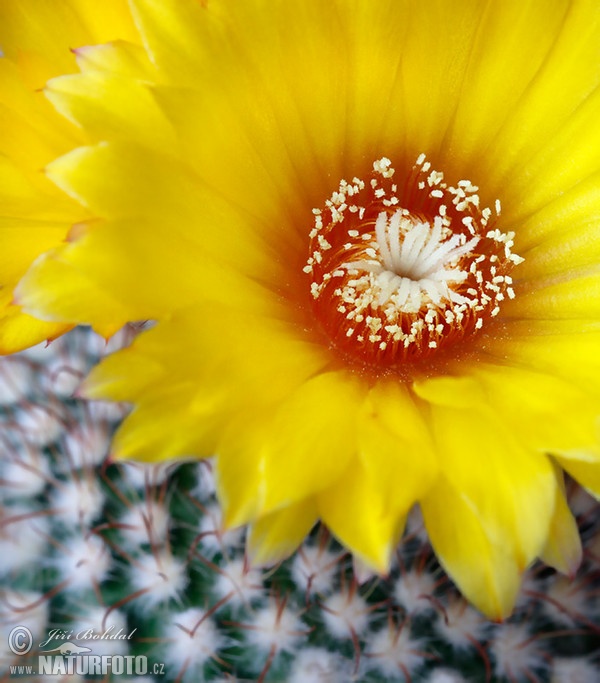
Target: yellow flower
(35, 216)
(299, 193)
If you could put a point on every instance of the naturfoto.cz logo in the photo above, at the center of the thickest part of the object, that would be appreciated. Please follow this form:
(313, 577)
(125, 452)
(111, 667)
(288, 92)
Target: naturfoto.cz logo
(70, 659)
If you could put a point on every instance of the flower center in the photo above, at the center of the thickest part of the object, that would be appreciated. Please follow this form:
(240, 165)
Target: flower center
(397, 273)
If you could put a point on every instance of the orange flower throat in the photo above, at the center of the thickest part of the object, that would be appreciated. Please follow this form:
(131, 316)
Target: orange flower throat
(398, 273)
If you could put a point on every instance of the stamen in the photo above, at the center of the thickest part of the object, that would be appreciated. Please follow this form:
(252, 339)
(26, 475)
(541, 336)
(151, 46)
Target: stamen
(406, 274)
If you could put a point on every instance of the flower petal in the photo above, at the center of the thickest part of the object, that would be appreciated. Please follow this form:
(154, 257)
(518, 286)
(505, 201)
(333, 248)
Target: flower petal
(171, 31)
(32, 133)
(355, 513)
(239, 470)
(563, 548)
(100, 177)
(53, 291)
(395, 446)
(546, 413)
(484, 568)
(563, 349)
(559, 298)
(120, 180)
(311, 439)
(477, 453)
(124, 376)
(41, 40)
(584, 466)
(30, 224)
(21, 240)
(19, 331)
(78, 283)
(111, 106)
(270, 457)
(531, 144)
(560, 235)
(208, 382)
(163, 427)
(509, 38)
(275, 536)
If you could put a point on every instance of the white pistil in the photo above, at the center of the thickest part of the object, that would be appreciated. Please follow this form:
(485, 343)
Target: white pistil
(411, 262)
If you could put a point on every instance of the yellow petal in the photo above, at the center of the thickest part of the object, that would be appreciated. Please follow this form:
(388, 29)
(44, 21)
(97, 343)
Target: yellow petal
(545, 412)
(21, 240)
(53, 291)
(32, 133)
(569, 67)
(275, 536)
(19, 331)
(563, 548)
(566, 350)
(509, 38)
(561, 239)
(239, 470)
(584, 466)
(108, 22)
(209, 382)
(252, 148)
(118, 56)
(163, 427)
(112, 106)
(563, 160)
(106, 179)
(171, 30)
(38, 226)
(564, 226)
(274, 455)
(35, 216)
(78, 283)
(310, 439)
(454, 392)
(355, 513)
(559, 298)
(477, 453)
(25, 199)
(41, 32)
(121, 180)
(41, 37)
(482, 565)
(123, 376)
(209, 340)
(395, 446)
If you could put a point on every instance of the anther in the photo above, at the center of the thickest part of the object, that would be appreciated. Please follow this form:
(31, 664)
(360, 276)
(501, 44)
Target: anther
(407, 274)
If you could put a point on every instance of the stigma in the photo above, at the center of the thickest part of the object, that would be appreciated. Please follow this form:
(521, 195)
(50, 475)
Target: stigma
(399, 270)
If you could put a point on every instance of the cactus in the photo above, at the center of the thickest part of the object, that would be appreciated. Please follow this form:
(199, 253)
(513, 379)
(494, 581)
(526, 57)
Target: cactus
(89, 546)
